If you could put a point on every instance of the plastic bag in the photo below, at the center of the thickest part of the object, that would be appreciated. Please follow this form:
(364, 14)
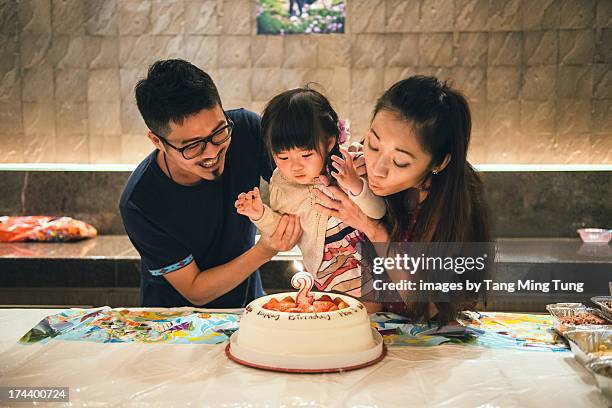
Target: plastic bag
(44, 229)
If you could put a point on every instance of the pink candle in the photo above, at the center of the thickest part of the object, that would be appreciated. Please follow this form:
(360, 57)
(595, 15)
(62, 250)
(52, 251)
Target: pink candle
(303, 281)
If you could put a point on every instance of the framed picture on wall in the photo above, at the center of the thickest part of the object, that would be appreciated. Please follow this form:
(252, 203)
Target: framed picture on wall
(281, 17)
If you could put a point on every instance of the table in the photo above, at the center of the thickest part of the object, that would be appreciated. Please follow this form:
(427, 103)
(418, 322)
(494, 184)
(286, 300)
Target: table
(135, 375)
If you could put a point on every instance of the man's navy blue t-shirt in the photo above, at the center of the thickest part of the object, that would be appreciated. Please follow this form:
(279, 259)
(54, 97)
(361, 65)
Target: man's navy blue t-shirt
(172, 225)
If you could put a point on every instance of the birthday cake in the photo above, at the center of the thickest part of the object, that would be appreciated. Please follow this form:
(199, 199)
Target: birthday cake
(307, 332)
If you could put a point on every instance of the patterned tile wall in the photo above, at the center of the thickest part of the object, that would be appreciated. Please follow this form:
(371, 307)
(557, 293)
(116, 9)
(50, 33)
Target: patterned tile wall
(537, 72)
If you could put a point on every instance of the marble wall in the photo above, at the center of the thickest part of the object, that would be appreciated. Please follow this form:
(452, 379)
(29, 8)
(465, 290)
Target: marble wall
(522, 204)
(537, 72)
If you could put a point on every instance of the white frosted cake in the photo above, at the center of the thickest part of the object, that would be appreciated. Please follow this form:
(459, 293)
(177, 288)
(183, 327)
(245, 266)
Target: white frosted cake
(305, 337)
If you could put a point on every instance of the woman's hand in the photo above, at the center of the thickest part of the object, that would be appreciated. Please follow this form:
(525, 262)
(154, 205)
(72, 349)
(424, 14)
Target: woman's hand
(340, 207)
(347, 211)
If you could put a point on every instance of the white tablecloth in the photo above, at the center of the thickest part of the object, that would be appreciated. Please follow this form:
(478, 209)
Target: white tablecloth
(135, 375)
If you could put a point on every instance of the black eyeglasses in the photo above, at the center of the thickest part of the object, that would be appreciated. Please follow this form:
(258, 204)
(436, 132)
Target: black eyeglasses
(193, 150)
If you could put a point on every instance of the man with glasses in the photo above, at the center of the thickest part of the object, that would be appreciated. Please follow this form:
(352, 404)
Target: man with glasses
(178, 205)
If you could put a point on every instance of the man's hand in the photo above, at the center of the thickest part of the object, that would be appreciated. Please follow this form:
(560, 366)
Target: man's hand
(346, 174)
(250, 204)
(286, 236)
(201, 287)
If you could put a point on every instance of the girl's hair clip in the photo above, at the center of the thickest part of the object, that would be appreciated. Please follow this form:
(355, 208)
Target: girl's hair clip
(344, 130)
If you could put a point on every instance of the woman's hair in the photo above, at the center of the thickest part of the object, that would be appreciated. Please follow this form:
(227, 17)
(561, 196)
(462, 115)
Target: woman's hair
(454, 209)
(300, 118)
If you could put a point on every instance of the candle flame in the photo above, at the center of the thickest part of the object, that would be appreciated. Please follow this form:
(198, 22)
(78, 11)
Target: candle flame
(298, 266)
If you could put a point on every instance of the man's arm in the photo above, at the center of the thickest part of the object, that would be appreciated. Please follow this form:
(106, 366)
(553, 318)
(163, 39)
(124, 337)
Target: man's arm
(202, 287)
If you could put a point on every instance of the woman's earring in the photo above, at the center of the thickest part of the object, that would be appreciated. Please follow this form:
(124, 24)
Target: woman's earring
(435, 172)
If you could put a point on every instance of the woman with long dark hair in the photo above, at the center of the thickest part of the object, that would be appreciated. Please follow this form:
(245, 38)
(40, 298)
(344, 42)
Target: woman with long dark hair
(416, 159)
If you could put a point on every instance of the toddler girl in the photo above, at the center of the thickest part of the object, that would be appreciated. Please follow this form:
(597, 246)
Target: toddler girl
(303, 135)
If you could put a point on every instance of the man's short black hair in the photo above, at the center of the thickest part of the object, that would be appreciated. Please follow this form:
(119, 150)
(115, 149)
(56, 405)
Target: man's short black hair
(173, 90)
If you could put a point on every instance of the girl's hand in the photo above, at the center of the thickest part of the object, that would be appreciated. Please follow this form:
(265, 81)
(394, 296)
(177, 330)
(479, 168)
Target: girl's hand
(356, 151)
(345, 173)
(250, 204)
